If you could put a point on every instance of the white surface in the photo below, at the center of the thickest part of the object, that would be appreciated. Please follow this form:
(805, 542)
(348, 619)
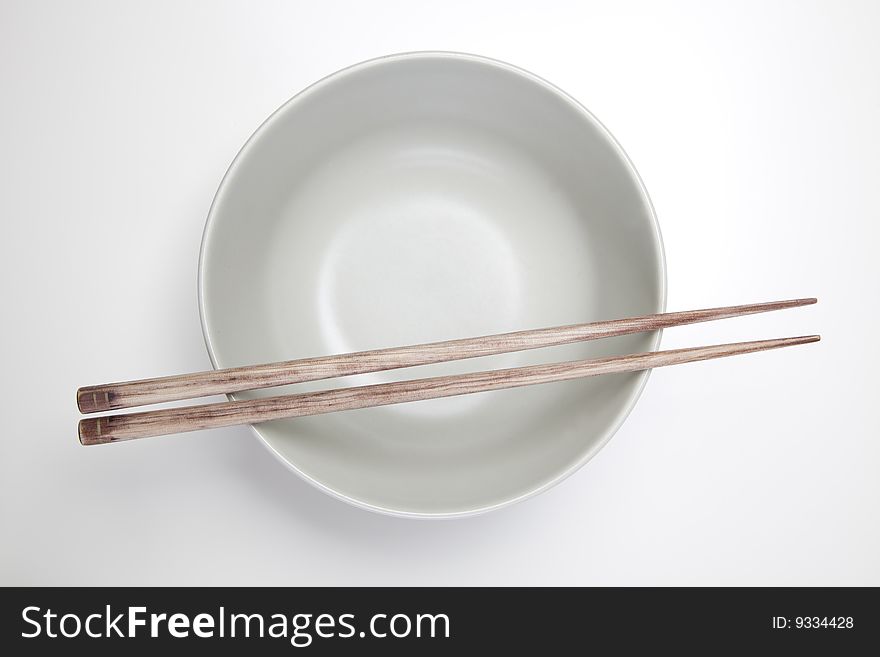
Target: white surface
(460, 197)
(754, 127)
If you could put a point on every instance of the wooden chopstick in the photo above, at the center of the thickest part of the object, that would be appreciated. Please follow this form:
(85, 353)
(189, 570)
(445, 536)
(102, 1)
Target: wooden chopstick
(113, 396)
(116, 428)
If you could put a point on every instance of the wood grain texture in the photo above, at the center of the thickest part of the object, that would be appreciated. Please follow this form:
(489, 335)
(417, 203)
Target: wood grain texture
(114, 396)
(116, 428)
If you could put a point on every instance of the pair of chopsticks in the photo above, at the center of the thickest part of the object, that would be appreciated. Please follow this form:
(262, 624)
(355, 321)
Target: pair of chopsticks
(114, 396)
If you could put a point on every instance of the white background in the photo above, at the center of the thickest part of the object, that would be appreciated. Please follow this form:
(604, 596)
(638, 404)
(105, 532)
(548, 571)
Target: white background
(755, 128)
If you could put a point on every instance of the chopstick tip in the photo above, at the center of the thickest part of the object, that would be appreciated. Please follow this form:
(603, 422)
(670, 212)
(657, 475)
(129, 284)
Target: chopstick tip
(797, 303)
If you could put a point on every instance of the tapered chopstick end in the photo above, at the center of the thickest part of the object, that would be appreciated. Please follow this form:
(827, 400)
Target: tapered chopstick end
(793, 303)
(801, 339)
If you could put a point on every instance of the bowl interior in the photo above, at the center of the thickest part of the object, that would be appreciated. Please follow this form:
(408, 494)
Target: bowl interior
(428, 197)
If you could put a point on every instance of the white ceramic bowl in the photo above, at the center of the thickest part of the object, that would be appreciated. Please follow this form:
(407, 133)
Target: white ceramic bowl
(423, 197)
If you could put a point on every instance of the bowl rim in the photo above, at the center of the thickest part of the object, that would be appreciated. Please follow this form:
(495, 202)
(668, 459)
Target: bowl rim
(659, 248)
